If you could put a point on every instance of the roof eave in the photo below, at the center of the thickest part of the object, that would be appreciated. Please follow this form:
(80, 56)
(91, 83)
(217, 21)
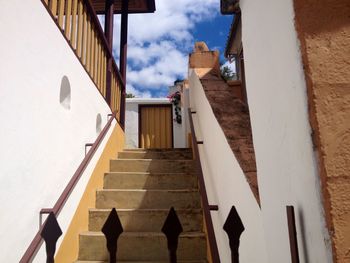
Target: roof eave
(151, 6)
(229, 7)
(232, 34)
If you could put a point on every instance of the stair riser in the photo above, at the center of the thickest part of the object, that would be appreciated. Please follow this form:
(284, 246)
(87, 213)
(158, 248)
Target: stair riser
(172, 155)
(152, 166)
(149, 181)
(147, 221)
(142, 248)
(147, 199)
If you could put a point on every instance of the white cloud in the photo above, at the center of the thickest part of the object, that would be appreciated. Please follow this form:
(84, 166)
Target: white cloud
(159, 43)
(137, 93)
(157, 65)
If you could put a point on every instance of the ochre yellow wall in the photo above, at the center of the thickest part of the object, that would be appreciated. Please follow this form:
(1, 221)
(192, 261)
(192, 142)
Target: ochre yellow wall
(68, 251)
(324, 32)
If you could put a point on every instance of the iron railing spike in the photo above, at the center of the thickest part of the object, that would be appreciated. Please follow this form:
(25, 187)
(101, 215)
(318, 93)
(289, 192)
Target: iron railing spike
(112, 229)
(234, 228)
(172, 228)
(50, 233)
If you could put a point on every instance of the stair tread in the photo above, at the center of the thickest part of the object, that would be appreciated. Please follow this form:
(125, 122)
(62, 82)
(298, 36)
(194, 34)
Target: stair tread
(153, 173)
(143, 184)
(143, 234)
(153, 160)
(151, 165)
(147, 220)
(149, 190)
(152, 246)
(146, 210)
(191, 261)
(159, 155)
(157, 149)
(147, 180)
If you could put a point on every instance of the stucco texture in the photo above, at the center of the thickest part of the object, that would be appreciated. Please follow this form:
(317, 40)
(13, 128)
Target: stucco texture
(324, 32)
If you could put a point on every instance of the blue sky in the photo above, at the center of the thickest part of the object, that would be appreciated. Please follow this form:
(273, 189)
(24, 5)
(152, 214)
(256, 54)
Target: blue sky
(159, 43)
(214, 32)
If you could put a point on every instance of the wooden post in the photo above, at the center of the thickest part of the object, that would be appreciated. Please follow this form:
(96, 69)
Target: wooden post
(123, 55)
(109, 12)
(293, 241)
(124, 39)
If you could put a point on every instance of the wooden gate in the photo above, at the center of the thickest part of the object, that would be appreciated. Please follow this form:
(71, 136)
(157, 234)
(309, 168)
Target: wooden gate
(155, 126)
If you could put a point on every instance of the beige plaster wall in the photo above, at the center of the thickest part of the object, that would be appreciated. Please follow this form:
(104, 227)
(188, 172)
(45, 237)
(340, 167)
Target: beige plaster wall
(324, 32)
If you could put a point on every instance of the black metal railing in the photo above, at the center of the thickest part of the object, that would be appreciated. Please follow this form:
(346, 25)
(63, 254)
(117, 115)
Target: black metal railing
(234, 228)
(293, 241)
(111, 229)
(172, 229)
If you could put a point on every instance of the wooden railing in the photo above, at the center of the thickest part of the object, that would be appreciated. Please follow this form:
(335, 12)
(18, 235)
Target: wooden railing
(214, 252)
(80, 26)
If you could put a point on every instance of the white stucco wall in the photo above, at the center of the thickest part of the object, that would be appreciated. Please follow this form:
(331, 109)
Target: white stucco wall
(225, 182)
(67, 213)
(132, 122)
(286, 163)
(180, 130)
(42, 140)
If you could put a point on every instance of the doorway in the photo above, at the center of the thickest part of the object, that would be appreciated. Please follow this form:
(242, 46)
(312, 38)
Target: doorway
(156, 126)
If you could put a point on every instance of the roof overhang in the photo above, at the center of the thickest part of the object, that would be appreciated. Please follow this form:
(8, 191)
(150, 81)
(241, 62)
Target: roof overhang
(135, 6)
(233, 44)
(229, 7)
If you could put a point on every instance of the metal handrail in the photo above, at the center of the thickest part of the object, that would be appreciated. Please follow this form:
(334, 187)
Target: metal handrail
(206, 207)
(37, 240)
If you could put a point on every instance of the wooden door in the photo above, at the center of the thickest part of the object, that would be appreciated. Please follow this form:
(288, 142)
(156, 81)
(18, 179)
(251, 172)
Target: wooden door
(155, 126)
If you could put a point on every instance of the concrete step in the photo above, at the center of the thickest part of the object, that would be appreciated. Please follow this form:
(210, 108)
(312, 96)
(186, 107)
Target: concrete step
(147, 199)
(143, 154)
(157, 149)
(142, 247)
(152, 166)
(124, 180)
(187, 261)
(146, 220)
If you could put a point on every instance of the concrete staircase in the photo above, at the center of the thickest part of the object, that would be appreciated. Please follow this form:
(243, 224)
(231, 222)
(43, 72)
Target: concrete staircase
(142, 185)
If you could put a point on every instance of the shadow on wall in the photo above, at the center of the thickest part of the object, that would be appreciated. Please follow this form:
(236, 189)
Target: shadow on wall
(65, 93)
(98, 123)
(303, 235)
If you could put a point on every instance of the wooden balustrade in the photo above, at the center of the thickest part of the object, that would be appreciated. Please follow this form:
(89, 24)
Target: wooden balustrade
(80, 26)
